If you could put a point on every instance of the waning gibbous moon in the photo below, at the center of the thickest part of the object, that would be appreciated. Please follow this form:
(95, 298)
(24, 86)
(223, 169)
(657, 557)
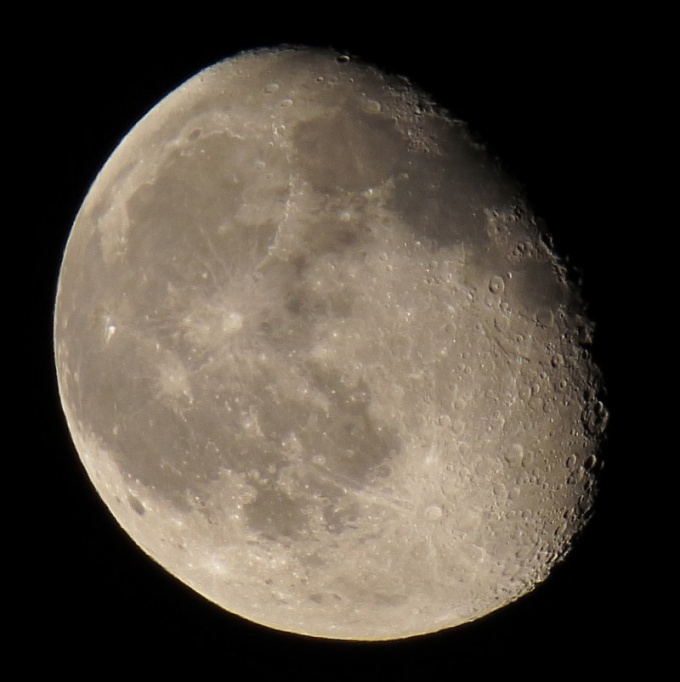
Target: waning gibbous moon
(318, 357)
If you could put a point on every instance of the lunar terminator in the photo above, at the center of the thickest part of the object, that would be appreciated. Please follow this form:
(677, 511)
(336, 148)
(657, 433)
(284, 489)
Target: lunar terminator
(319, 358)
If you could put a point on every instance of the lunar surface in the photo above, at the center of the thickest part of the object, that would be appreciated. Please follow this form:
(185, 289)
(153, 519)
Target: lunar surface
(318, 357)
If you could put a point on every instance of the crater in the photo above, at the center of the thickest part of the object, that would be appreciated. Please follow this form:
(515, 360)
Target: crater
(136, 505)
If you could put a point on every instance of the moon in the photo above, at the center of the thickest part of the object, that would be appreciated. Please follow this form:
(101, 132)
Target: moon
(319, 358)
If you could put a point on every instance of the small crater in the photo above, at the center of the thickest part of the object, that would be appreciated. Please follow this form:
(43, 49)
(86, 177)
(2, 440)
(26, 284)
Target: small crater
(514, 455)
(596, 417)
(590, 463)
(545, 317)
(527, 459)
(576, 476)
(496, 285)
(372, 106)
(434, 512)
(136, 505)
(502, 323)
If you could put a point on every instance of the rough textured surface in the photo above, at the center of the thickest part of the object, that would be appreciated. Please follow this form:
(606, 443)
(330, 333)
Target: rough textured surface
(319, 359)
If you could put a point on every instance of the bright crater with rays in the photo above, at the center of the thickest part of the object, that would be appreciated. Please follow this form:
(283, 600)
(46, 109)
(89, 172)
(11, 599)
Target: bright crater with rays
(319, 358)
